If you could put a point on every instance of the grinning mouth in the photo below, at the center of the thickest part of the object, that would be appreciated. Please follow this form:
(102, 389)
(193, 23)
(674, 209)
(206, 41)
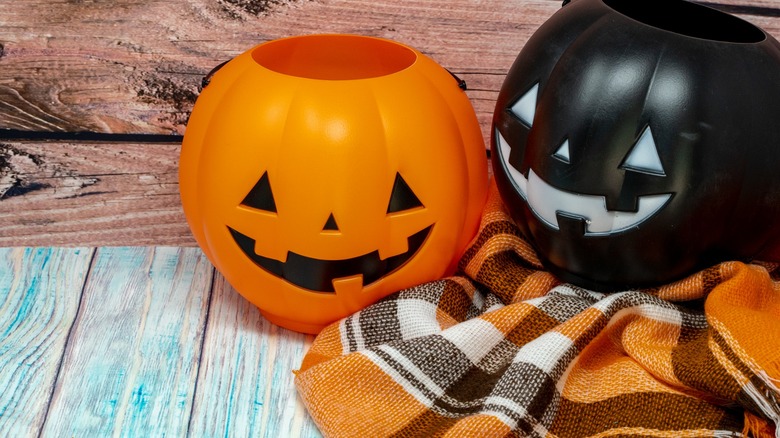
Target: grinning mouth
(318, 275)
(548, 202)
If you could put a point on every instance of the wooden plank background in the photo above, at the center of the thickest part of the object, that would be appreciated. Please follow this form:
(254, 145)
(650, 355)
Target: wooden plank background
(245, 381)
(40, 291)
(131, 66)
(135, 345)
(139, 341)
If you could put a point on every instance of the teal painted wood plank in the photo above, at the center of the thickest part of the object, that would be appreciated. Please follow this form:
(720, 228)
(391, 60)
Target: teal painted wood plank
(245, 387)
(40, 289)
(132, 362)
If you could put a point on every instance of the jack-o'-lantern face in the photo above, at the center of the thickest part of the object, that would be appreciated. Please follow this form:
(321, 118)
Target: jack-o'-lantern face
(551, 205)
(322, 173)
(322, 275)
(627, 161)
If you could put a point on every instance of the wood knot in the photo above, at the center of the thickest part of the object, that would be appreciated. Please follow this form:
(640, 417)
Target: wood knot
(238, 9)
(15, 168)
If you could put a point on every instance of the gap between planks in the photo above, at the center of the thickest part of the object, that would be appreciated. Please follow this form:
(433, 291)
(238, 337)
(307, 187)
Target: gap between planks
(158, 345)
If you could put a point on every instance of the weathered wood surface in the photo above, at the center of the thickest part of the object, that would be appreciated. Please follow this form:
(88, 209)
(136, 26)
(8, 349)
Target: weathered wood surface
(139, 342)
(135, 66)
(131, 66)
(40, 289)
(91, 194)
(132, 363)
(246, 375)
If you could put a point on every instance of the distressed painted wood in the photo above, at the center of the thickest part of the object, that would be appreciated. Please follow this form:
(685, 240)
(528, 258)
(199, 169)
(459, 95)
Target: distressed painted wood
(131, 365)
(136, 353)
(132, 66)
(40, 291)
(92, 194)
(245, 385)
(129, 66)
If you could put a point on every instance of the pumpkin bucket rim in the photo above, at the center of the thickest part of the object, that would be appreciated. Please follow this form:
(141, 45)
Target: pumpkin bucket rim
(334, 57)
(688, 19)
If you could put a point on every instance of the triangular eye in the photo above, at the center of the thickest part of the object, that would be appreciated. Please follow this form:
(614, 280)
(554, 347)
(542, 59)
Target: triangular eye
(563, 152)
(525, 107)
(330, 224)
(644, 156)
(261, 197)
(402, 197)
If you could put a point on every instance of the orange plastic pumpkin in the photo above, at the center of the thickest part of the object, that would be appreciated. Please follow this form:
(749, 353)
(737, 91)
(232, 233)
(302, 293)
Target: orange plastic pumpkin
(320, 173)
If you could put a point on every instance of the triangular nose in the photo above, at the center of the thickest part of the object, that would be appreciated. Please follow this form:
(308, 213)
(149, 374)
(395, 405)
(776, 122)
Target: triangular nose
(330, 224)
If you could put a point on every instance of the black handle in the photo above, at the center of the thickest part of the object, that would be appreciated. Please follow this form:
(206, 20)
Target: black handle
(207, 79)
(461, 82)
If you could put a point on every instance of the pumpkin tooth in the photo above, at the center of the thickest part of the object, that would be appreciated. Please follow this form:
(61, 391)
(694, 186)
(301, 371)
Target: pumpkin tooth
(548, 202)
(320, 275)
(393, 247)
(348, 290)
(518, 179)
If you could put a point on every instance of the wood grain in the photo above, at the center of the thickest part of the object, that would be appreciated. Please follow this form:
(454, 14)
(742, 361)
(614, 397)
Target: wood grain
(136, 68)
(245, 386)
(40, 290)
(90, 194)
(129, 66)
(131, 366)
(136, 362)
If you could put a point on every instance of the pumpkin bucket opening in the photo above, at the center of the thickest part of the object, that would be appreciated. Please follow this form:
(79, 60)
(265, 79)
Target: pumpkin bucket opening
(689, 19)
(334, 57)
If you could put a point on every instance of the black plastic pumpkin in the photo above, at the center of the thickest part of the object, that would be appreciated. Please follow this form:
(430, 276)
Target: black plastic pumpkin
(635, 141)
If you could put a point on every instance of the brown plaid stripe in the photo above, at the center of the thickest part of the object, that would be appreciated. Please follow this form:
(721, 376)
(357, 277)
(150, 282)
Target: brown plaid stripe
(504, 349)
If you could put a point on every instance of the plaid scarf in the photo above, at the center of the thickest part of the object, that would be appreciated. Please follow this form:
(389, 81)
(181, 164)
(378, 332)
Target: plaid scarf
(505, 349)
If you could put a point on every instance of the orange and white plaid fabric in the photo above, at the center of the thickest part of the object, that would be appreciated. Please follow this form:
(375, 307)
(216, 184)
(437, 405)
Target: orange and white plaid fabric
(505, 349)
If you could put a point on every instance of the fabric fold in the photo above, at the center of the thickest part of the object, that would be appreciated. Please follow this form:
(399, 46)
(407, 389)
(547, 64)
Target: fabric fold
(505, 349)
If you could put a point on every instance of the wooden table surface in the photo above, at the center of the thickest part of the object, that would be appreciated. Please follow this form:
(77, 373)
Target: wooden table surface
(112, 322)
